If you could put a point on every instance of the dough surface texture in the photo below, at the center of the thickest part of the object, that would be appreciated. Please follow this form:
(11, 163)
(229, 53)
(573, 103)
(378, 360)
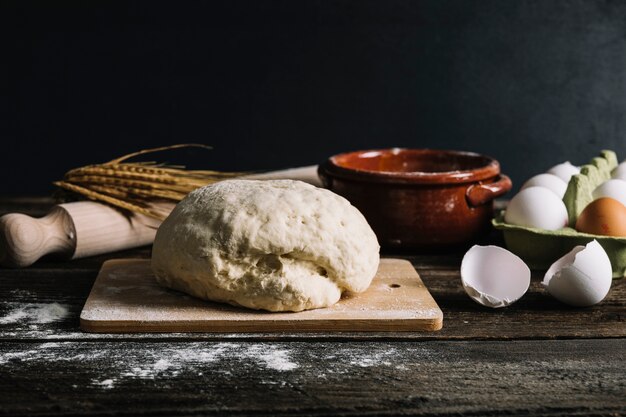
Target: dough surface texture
(277, 245)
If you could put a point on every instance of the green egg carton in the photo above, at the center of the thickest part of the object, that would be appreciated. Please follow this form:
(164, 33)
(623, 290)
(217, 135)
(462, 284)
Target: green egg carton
(539, 248)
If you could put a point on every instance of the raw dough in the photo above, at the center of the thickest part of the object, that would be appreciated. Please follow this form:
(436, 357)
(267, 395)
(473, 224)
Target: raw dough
(276, 245)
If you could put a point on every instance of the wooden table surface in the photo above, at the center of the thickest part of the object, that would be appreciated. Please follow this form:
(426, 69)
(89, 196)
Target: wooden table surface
(537, 357)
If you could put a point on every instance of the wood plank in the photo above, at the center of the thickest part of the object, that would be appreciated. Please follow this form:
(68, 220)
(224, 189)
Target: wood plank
(535, 316)
(551, 378)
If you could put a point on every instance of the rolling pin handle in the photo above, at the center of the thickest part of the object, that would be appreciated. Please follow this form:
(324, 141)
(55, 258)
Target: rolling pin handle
(24, 239)
(307, 174)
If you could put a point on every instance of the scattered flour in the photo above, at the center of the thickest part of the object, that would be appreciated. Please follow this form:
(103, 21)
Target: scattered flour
(16, 356)
(374, 359)
(118, 364)
(179, 359)
(276, 359)
(106, 384)
(156, 362)
(50, 352)
(22, 293)
(34, 313)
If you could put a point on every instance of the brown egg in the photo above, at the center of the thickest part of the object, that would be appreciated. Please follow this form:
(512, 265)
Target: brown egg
(604, 216)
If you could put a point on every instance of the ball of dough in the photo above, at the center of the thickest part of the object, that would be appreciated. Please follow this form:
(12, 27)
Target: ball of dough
(275, 245)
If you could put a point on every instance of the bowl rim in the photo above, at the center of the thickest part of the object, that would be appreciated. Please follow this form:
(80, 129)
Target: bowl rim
(490, 170)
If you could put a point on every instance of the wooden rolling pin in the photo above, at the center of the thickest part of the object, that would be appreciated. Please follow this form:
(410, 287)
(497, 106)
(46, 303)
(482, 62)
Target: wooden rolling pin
(86, 228)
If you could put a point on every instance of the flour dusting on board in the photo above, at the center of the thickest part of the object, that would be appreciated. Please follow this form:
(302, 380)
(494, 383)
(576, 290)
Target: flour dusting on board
(126, 291)
(34, 313)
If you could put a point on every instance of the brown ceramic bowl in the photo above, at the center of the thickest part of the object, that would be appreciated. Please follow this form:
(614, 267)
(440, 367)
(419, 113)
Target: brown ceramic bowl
(419, 198)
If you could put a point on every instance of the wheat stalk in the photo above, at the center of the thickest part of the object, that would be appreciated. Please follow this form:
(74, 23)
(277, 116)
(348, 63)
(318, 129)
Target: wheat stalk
(133, 186)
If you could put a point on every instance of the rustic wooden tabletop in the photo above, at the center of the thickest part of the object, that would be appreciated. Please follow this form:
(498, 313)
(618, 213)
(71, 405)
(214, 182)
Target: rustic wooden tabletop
(537, 357)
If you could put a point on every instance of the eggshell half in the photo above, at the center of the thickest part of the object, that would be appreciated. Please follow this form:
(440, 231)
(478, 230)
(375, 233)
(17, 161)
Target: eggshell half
(614, 188)
(549, 181)
(537, 207)
(493, 276)
(564, 171)
(582, 277)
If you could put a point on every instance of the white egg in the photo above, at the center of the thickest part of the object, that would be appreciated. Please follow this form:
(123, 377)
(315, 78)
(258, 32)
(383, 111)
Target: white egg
(549, 181)
(615, 189)
(564, 171)
(493, 276)
(537, 207)
(582, 277)
(620, 171)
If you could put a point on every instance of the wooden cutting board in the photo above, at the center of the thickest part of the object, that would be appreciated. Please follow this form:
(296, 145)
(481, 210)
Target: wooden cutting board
(126, 299)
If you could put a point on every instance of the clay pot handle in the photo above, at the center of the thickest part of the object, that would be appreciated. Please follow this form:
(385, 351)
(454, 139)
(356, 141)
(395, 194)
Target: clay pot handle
(480, 194)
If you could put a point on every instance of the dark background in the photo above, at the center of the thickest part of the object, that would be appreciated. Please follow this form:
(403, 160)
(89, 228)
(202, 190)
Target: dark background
(272, 84)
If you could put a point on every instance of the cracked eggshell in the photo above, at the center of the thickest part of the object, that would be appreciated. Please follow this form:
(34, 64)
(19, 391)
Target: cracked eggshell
(537, 207)
(581, 278)
(549, 181)
(564, 171)
(493, 276)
